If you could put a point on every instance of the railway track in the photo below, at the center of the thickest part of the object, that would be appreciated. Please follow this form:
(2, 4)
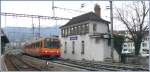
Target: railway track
(19, 64)
(73, 65)
(52, 65)
(96, 66)
(101, 66)
(58, 63)
(26, 63)
(87, 66)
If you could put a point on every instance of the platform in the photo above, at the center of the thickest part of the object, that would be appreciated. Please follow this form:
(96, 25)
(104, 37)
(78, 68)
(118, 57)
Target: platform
(3, 66)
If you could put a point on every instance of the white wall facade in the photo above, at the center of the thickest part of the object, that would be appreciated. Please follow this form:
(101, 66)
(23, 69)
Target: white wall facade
(96, 49)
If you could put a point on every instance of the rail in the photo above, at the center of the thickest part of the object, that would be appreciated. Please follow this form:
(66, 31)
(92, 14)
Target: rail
(20, 65)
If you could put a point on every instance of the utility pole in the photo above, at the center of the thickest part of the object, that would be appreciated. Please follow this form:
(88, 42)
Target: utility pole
(0, 47)
(39, 27)
(33, 29)
(112, 40)
(53, 8)
(149, 33)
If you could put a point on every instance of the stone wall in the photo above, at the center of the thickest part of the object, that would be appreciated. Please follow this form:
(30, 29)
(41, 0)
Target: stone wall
(137, 60)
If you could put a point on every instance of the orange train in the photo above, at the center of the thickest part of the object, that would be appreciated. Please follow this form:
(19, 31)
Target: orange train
(45, 48)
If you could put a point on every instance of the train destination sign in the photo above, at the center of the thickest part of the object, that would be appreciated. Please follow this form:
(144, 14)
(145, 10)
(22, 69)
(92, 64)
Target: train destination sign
(74, 38)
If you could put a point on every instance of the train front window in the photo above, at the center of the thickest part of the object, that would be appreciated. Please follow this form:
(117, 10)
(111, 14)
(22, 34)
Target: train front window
(51, 44)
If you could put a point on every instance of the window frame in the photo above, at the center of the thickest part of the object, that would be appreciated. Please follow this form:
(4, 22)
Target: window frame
(86, 28)
(94, 28)
(73, 47)
(65, 49)
(82, 47)
(144, 44)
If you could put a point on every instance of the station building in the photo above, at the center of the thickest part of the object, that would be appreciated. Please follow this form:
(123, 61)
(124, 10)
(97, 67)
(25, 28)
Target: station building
(86, 37)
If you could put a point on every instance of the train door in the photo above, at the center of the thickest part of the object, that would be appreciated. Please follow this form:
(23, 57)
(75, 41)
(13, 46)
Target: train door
(41, 46)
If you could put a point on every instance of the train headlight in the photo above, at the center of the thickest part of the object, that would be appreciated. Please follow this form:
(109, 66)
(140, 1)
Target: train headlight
(46, 51)
(57, 51)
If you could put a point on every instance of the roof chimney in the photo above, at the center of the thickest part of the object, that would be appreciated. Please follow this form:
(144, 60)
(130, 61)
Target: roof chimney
(97, 10)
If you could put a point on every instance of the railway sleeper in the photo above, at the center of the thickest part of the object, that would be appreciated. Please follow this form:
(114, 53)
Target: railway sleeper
(78, 66)
(27, 64)
(116, 67)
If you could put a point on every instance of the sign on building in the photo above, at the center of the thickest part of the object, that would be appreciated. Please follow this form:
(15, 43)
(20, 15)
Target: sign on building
(74, 38)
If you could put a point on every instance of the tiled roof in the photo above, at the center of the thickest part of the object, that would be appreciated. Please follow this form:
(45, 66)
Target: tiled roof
(85, 17)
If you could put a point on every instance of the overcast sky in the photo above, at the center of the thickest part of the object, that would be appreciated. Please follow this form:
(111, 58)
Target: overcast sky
(45, 8)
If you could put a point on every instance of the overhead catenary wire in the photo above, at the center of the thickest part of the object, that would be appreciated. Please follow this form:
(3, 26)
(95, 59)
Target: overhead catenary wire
(15, 15)
(69, 9)
(32, 16)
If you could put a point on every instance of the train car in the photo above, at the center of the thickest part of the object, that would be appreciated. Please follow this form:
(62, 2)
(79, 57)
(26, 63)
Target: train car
(45, 48)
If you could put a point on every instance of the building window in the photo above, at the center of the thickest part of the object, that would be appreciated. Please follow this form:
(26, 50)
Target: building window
(131, 44)
(128, 44)
(144, 44)
(145, 51)
(68, 31)
(145, 39)
(87, 28)
(125, 45)
(72, 31)
(75, 30)
(83, 29)
(73, 47)
(79, 28)
(62, 32)
(94, 28)
(65, 51)
(83, 46)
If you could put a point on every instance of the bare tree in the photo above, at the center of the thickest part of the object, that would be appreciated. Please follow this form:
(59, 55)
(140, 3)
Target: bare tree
(133, 17)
